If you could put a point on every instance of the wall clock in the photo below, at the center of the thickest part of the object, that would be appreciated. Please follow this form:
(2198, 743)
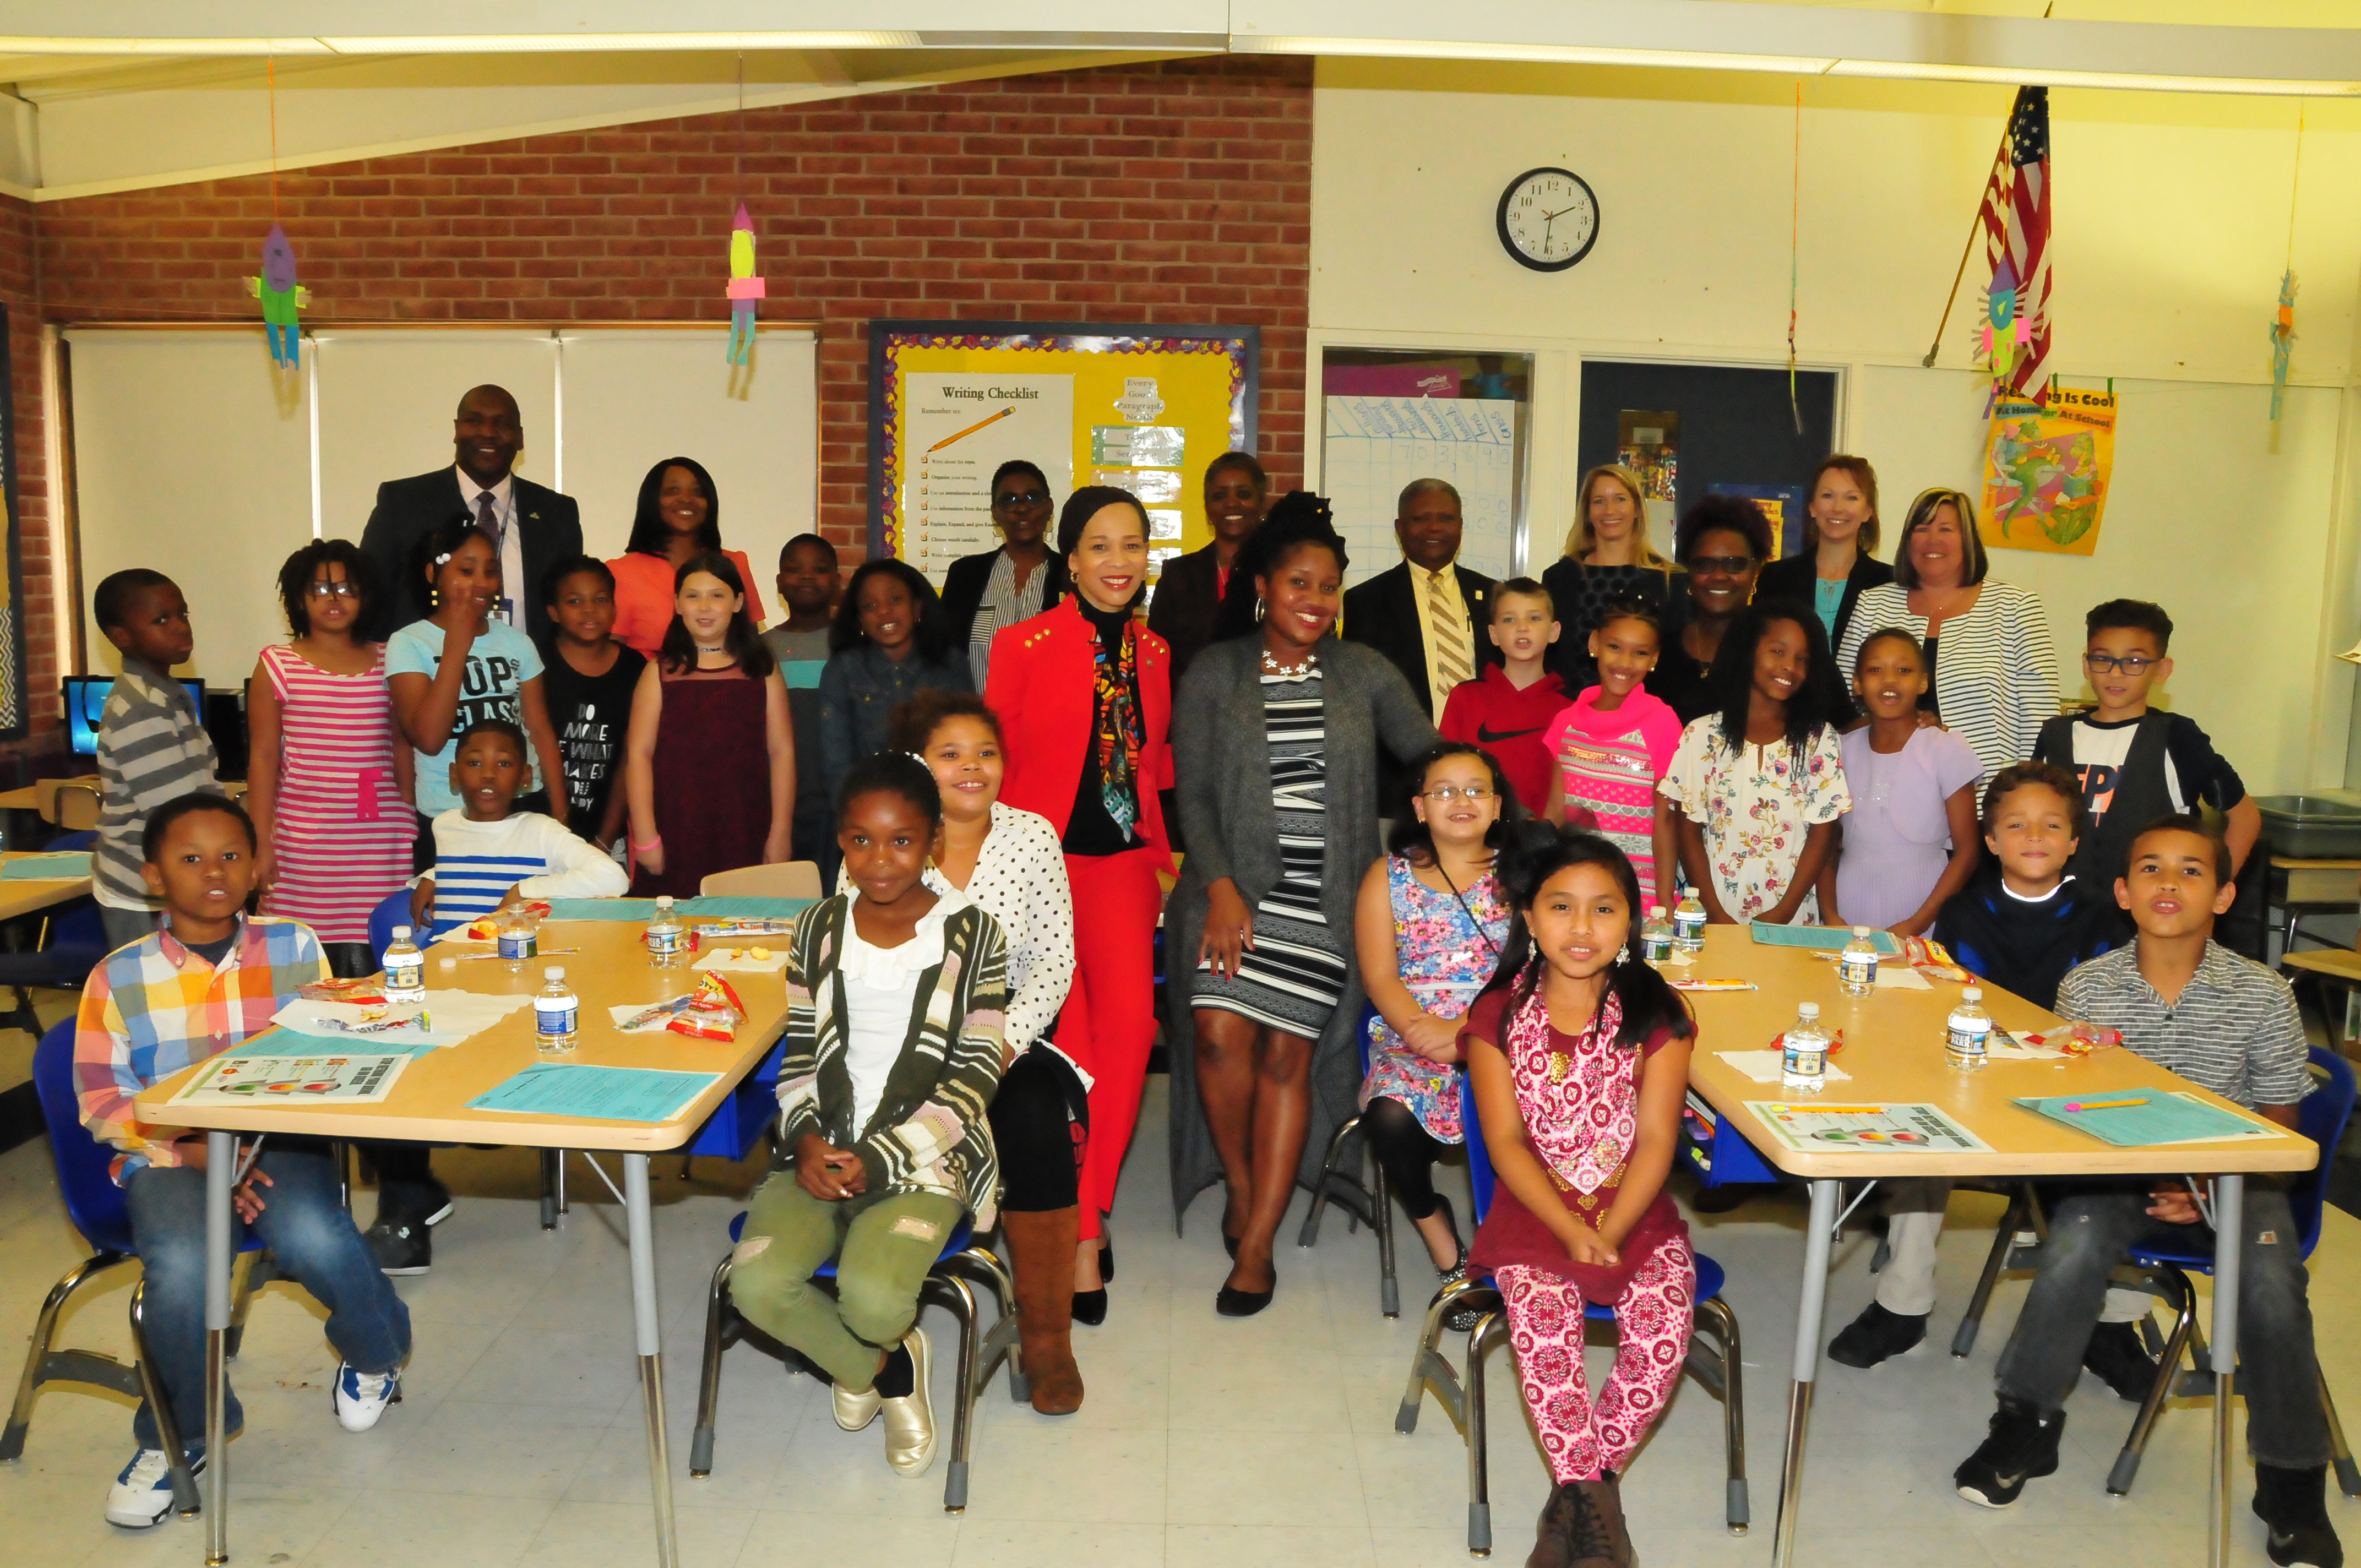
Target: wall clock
(1548, 219)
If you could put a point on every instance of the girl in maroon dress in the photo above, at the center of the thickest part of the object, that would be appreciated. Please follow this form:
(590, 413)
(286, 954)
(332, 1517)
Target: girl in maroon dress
(709, 767)
(1579, 1055)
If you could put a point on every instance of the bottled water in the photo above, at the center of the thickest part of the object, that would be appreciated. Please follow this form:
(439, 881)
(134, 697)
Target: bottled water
(1804, 1050)
(1857, 966)
(666, 936)
(1688, 924)
(405, 969)
(557, 1012)
(519, 939)
(1968, 1032)
(1656, 935)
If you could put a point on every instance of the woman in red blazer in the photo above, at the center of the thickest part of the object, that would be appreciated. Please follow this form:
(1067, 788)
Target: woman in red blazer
(1084, 697)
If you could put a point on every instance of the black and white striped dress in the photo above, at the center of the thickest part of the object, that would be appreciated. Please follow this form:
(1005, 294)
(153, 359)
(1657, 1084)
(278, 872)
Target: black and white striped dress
(1293, 976)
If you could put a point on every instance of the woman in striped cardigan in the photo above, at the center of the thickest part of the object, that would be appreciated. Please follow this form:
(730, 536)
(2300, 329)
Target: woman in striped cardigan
(1994, 676)
(897, 993)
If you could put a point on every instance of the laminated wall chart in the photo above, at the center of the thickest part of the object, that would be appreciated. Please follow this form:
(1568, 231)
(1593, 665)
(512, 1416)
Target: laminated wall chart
(1374, 446)
(1142, 408)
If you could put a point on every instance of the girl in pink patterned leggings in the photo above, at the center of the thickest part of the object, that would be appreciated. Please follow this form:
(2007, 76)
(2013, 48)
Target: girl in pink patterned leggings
(1579, 1053)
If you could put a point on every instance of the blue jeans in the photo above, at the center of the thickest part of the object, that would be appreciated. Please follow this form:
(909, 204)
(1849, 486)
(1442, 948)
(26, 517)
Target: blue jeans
(315, 1244)
(2278, 1372)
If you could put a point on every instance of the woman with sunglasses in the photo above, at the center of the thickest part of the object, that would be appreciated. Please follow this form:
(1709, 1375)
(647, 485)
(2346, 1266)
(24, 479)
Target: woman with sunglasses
(984, 593)
(1722, 543)
(1993, 676)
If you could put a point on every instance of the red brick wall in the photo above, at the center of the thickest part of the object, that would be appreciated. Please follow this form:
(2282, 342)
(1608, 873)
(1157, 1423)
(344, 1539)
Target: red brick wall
(19, 290)
(1173, 192)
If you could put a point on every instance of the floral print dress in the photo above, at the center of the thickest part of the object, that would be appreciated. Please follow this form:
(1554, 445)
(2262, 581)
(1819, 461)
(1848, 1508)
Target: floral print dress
(1444, 958)
(1755, 804)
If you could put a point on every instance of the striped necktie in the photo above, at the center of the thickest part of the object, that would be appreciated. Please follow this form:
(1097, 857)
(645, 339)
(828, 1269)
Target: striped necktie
(488, 518)
(1452, 663)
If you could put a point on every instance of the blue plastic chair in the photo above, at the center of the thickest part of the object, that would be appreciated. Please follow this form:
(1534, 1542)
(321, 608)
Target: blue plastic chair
(1718, 1368)
(72, 940)
(1367, 1203)
(2164, 1271)
(99, 1210)
(949, 1285)
(392, 910)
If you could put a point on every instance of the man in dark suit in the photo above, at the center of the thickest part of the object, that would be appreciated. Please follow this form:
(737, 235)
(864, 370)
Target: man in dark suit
(533, 526)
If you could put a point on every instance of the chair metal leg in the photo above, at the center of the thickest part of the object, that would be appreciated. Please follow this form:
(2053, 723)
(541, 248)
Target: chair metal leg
(1963, 1339)
(1489, 1330)
(1715, 1317)
(1332, 1177)
(1382, 1221)
(342, 1153)
(244, 1269)
(721, 1328)
(948, 1290)
(2348, 1474)
(45, 1364)
(1429, 1368)
(168, 1429)
(2182, 1297)
(981, 1263)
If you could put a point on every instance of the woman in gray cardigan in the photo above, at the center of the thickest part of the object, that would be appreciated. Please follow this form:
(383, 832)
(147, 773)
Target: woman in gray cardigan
(1274, 735)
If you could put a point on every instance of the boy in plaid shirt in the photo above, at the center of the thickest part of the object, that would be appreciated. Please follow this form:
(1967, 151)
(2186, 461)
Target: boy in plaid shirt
(208, 981)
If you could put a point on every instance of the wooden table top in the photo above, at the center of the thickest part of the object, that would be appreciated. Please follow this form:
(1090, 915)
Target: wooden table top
(1894, 1050)
(32, 896)
(429, 1103)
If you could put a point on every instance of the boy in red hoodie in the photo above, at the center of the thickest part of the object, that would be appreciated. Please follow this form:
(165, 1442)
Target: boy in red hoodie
(1507, 709)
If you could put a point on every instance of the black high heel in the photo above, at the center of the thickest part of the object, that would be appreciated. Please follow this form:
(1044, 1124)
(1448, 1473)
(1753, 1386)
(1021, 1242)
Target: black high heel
(1106, 1257)
(1458, 1268)
(1090, 1307)
(1231, 1302)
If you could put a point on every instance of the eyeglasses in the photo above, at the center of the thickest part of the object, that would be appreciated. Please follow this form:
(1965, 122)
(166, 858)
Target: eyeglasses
(332, 590)
(1477, 794)
(2130, 663)
(1730, 565)
(1020, 498)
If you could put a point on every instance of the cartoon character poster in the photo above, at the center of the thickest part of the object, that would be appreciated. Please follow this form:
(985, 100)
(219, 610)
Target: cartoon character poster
(2046, 469)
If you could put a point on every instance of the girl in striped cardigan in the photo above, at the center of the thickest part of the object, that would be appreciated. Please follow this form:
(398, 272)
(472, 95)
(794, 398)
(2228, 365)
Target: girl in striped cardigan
(895, 996)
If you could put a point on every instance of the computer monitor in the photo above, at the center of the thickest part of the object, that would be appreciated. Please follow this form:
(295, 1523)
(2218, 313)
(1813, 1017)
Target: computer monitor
(85, 704)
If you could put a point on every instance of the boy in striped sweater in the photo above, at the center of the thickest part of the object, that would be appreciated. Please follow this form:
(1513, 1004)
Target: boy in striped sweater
(152, 745)
(487, 857)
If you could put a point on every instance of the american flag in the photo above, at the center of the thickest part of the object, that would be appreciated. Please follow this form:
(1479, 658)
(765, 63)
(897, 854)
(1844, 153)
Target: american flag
(2015, 218)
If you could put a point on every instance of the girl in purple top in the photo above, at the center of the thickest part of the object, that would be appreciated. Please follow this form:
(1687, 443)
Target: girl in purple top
(1911, 840)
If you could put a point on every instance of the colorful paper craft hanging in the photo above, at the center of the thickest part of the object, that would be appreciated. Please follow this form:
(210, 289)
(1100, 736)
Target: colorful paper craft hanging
(2282, 344)
(2004, 330)
(745, 287)
(281, 297)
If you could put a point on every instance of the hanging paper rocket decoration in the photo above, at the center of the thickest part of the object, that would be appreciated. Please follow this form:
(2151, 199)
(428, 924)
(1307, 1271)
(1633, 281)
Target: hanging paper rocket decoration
(2004, 328)
(745, 287)
(2282, 343)
(280, 297)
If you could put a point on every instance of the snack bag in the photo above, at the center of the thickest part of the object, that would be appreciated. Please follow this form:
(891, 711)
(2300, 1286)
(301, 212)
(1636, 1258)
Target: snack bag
(361, 993)
(2077, 1040)
(1931, 959)
(713, 1012)
(488, 929)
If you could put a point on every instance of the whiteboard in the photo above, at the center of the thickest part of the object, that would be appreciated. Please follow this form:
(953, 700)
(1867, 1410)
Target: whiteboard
(192, 456)
(1372, 447)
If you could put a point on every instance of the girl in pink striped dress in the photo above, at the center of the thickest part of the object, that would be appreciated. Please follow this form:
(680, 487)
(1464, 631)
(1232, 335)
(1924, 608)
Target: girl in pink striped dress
(1613, 747)
(328, 779)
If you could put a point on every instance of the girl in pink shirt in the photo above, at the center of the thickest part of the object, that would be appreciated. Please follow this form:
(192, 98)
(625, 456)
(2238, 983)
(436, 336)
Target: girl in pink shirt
(1613, 746)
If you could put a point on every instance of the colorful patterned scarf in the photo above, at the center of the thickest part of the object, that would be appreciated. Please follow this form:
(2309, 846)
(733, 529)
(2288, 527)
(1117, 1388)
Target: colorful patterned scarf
(1581, 1108)
(1115, 732)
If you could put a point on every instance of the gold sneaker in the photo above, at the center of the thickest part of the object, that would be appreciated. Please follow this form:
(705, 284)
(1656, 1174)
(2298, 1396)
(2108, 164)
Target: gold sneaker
(911, 1421)
(854, 1411)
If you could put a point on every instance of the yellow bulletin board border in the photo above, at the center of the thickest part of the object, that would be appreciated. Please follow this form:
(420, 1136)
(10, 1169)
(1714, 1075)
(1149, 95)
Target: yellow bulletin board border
(1040, 347)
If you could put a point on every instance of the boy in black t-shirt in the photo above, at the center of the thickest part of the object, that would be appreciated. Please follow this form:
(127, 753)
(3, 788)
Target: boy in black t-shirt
(588, 684)
(2137, 764)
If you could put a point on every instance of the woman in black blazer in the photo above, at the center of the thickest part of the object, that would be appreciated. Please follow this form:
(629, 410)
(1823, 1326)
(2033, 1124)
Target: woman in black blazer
(974, 610)
(1839, 532)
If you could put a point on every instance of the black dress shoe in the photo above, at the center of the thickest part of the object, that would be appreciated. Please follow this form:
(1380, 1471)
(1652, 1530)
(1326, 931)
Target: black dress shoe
(1106, 1257)
(1090, 1306)
(1233, 1302)
(1230, 1246)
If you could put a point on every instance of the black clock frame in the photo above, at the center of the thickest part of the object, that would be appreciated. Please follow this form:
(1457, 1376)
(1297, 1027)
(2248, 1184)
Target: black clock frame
(1500, 221)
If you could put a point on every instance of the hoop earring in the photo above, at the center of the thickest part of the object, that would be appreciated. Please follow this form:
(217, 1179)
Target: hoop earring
(1258, 610)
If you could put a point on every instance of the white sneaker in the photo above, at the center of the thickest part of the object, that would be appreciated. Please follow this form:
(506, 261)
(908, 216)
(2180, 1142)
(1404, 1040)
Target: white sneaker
(854, 1411)
(360, 1397)
(911, 1421)
(143, 1494)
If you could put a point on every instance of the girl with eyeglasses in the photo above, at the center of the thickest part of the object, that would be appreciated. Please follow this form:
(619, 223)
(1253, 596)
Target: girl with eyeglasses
(328, 778)
(1428, 930)
(986, 593)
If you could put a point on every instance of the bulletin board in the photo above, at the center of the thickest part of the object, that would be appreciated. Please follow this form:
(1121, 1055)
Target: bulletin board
(1142, 407)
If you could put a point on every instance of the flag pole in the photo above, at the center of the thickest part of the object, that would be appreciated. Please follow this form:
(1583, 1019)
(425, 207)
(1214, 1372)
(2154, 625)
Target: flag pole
(1969, 250)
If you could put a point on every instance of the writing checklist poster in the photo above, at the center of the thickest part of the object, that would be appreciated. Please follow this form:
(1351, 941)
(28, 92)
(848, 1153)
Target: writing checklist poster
(957, 430)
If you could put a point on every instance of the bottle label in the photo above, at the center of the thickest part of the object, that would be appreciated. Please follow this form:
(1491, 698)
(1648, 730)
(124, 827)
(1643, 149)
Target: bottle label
(1806, 1057)
(405, 973)
(555, 1019)
(1859, 969)
(1968, 1036)
(1656, 946)
(662, 942)
(515, 945)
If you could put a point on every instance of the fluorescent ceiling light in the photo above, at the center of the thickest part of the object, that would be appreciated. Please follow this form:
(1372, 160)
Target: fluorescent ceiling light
(164, 46)
(606, 43)
(616, 43)
(2134, 81)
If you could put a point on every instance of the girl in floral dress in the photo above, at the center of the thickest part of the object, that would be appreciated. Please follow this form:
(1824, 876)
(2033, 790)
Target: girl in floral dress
(1578, 1051)
(1428, 930)
(1757, 785)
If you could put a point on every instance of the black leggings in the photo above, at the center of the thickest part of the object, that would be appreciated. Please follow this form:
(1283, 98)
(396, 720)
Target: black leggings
(1406, 1152)
(1039, 1143)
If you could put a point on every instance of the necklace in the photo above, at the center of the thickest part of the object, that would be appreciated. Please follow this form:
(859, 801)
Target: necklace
(713, 647)
(1272, 666)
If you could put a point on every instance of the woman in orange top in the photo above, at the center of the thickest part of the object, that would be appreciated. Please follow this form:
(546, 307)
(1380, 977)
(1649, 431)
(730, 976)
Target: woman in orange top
(1085, 692)
(679, 516)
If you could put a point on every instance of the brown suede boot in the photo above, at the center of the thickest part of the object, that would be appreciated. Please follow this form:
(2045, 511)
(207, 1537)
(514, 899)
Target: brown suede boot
(1042, 1246)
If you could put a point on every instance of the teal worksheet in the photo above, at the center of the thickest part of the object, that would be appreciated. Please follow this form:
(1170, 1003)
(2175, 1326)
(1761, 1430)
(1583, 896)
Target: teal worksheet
(1830, 938)
(2138, 1118)
(46, 868)
(612, 1093)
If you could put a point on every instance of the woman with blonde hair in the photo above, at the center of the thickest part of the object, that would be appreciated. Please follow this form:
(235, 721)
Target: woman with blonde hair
(1607, 561)
(1838, 563)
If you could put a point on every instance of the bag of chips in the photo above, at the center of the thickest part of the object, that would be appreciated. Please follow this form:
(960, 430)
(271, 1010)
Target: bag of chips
(370, 992)
(713, 1012)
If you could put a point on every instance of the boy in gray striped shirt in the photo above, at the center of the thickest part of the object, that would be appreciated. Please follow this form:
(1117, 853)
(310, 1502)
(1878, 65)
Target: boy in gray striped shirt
(2227, 1024)
(152, 745)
